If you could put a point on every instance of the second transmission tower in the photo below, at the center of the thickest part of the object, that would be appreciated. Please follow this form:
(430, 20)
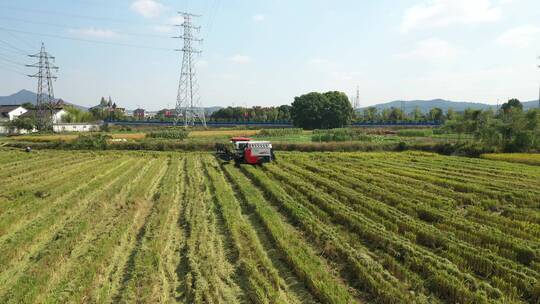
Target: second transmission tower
(357, 99)
(45, 103)
(188, 103)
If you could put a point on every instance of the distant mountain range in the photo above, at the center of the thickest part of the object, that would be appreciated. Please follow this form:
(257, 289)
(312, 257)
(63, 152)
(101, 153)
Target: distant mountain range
(426, 105)
(25, 96)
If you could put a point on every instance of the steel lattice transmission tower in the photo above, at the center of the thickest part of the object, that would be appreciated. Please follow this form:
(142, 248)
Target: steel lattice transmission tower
(357, 99)
(539, 90)
(188, 103)
(45, 92)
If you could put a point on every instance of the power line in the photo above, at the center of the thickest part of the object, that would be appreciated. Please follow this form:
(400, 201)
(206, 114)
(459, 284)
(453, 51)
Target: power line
(11, 51)
(87, 40)
(24, 41)
(9, 69)
(5, 58)
(13, 47)
(69, 27)
(11, 64)
(64, 14)
(212, 16)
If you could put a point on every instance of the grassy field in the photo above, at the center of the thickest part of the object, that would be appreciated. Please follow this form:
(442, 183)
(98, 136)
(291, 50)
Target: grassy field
(312, 228)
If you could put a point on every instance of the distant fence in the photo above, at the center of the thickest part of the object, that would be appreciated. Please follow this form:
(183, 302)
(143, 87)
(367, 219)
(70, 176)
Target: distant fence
(397, 124)
(272, 124)
(209, 124)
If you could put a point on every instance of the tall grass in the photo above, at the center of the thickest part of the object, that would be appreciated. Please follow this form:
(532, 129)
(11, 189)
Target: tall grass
(415, 132)
(342, 134)
(280, 132)
(170, 133)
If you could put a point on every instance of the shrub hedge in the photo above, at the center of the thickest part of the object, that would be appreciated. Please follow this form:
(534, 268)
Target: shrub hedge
(280, 132)
(172, 133)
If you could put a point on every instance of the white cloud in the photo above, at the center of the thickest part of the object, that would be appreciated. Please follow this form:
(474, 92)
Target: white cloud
(94, 33)
(258, 18)
(240, 59)
(148, 8)
(439, 13)
(431, 49)
(519, 37)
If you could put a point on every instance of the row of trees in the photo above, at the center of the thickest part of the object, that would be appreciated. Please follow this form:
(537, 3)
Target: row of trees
(510, 129)
(394, 114)
(254, 114)
(325, 110)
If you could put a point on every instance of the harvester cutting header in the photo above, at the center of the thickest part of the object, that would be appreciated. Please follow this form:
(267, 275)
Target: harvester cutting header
(244, 150)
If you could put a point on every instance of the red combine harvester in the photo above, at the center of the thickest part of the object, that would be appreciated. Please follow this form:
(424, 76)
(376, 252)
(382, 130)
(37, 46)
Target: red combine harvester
(244, 150)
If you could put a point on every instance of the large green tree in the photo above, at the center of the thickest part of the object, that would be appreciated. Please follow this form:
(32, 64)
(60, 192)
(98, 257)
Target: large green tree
(322, 111)
(307, 110)
(338, 111)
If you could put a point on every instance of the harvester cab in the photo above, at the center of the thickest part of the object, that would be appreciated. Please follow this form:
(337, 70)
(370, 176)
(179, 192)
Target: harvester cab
(244, 150)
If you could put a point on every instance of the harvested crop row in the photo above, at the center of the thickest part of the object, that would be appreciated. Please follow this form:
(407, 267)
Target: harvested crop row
(312, 269)
(263, 281)
(206, 271)
(152, 227)
(144, 276)
(60, 239)
(467, 257)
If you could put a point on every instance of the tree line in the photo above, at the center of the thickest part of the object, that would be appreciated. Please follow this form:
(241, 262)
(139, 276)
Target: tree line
(509, 129)
(325, 110)
(253, 114)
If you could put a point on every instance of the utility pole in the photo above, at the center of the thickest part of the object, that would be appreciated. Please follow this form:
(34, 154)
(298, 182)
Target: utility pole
(45, 92)
(188, 103)
(357, 98)
(539, 89)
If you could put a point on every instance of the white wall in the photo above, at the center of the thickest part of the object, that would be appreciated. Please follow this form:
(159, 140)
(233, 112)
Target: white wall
(4, 131)
(58, 116)
(75, 127)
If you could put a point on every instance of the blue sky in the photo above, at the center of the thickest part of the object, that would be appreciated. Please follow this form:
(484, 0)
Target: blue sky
(267, 52)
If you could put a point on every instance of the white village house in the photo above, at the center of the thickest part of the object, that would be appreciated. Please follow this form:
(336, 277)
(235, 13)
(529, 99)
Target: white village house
(9, 113)
(57, 114)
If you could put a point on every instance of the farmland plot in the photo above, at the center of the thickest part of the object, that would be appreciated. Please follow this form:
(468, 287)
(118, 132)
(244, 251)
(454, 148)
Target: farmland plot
(312, 228)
